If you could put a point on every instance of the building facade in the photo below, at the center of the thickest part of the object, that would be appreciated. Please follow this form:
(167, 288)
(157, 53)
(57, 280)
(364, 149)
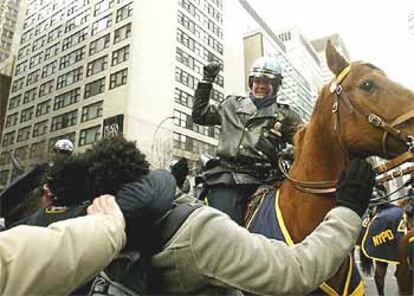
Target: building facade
(88, 68)
(11, 21)
(411, 24)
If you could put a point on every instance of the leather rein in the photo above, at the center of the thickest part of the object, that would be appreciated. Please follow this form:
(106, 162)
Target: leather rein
(339, 95)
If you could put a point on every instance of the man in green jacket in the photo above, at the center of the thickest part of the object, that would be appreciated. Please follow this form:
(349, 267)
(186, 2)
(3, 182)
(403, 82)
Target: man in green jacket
(253, 131)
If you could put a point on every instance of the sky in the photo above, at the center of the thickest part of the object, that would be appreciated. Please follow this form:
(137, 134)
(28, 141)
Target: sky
(373, 31)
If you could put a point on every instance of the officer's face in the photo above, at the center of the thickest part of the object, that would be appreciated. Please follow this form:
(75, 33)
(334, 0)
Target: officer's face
(261, 87)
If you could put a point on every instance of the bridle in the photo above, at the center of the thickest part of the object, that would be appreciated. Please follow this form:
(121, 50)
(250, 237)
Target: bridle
(388, 129)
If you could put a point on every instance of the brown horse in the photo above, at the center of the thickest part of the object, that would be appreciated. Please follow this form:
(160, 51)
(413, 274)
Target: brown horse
(346, 122)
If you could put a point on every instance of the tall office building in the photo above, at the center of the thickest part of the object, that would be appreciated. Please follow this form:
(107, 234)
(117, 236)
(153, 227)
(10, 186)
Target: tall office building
(320, 44)
(11, 19)
(87, 68)
(411, 24)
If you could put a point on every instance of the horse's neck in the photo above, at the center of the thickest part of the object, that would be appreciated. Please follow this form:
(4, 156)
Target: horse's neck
(319, 158)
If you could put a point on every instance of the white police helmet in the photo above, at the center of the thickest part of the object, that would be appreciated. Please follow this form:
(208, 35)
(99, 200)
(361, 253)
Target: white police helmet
(268, 67)
(63, 146)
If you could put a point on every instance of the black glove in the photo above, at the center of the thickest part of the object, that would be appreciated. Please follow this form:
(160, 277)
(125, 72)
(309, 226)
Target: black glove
(354, 187)
(210, 72)
(180, 171)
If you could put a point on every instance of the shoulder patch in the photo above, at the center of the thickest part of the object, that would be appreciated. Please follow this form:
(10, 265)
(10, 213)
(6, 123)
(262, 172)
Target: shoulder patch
(55, 210)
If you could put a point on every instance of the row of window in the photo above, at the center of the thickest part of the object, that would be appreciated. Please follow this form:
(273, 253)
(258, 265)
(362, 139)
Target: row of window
(58, 122)
(184, 120)
(96, 66)
(68, 98)
(195, 65)
(199, 32)
(74, 23)
(190, 144)
(196, 47)
(198, 14)
(86, 137)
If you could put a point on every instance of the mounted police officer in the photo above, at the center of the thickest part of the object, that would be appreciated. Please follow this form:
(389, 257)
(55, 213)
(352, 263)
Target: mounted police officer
(254, 129)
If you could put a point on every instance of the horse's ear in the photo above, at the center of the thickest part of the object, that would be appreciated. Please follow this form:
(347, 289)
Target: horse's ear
(336, 62)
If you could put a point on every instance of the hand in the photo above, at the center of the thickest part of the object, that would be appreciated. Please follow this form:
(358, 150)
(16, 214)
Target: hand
(210, 72)
(354, 187)
(105, 204)
(180, 170)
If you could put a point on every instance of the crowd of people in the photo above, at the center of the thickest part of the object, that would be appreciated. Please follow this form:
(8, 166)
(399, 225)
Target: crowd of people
(112, 226)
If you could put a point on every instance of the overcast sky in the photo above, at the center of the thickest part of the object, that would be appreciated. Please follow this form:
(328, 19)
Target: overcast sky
(374, 31)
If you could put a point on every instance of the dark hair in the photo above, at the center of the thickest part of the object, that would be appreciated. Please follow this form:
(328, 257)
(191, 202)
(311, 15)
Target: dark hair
(113, 162)
(68, 180)
(102, 169)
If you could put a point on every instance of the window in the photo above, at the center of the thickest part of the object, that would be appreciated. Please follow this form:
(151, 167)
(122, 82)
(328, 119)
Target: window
(66, 99)
(24, 134)
(27, 114)
(124, 12)
(89, 135)
(52, 51)
(33, 77)
(183, 98)
(120, 55)
(14, 102)
(38, 43)
(55, 34)
(30, 95)
(46, 88)
(4, 177)
(26, 36)
(75, 38)
(92, 111)
(4, 158)
(65, 120)
(40, 128)
(97, 66)
(99, 44)
(35, 60)
(21, 68)
(49, 69)
(102, 24)
(122, 33)
(69, 78)
(8, 138)
(118, 78)
(37, 149)
(94, 88)
(77, 21)
(24, 52)
(185, 78)
(12, 119)
(17, 84)
(43, 108)
(72, 58)
(102, 6)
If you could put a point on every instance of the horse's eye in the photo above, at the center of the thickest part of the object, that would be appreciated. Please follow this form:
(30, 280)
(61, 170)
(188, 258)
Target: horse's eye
(368, 86)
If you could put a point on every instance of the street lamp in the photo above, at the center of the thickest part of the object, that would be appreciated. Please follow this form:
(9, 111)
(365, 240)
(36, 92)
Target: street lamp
(157, 129)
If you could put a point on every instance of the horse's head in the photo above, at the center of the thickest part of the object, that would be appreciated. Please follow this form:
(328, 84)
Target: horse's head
(371, 114)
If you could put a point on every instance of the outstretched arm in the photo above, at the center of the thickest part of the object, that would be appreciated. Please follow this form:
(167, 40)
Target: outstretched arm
(58, 259)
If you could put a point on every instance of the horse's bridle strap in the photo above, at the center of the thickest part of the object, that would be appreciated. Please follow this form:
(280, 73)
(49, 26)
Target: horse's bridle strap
(322, 187)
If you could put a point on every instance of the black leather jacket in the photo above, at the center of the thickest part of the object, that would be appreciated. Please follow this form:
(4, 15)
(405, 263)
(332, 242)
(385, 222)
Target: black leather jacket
(246, 138)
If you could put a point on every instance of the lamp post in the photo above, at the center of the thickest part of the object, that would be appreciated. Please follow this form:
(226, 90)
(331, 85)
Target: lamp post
(157, 129)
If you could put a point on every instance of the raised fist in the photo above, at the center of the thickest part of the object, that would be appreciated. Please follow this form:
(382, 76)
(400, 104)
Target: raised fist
(210, 71)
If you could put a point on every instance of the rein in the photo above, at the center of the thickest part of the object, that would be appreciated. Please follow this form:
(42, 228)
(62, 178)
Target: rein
(336, 89)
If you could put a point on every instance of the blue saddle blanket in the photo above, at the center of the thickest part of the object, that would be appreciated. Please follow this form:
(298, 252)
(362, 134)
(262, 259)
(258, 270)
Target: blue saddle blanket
(268, 221)
(383, 233)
